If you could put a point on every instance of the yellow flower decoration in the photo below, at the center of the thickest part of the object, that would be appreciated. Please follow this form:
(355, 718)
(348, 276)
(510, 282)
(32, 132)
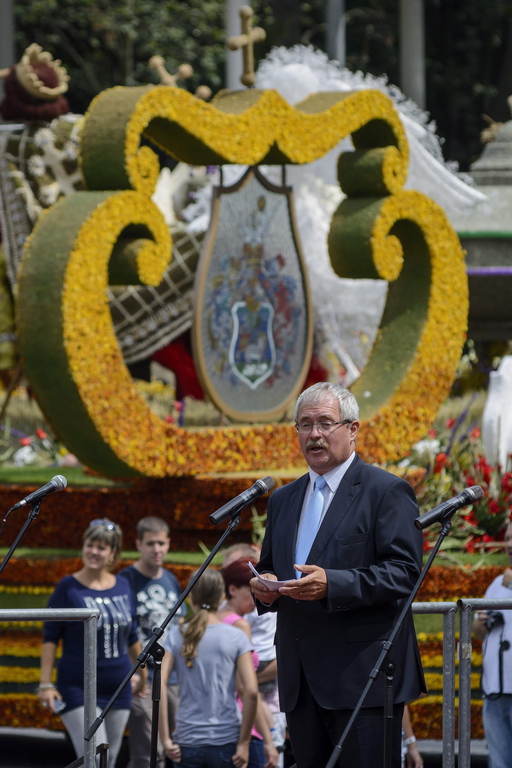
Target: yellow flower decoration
(91, 239)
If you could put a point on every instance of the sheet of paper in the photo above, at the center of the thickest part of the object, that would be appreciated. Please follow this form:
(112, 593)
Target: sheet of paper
(272, 585)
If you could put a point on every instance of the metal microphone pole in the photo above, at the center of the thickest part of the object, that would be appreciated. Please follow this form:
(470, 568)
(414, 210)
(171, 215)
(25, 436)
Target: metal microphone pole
(34, 511)
(387, 646)
(154, 649)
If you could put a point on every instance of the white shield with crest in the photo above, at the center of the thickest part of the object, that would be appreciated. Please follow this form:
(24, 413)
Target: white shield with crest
(253, 324)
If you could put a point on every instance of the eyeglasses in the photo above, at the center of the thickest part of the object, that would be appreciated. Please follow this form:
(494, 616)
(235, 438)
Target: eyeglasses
(323, 426)
(108, 524)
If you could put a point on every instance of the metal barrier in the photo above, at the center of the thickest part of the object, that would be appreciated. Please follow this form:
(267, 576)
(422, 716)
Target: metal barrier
(90, 618)
(449, 611)
(466, 608)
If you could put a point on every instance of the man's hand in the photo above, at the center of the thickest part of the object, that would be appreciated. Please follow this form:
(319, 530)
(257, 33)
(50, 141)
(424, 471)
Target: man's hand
(310, 587)
(261, 592)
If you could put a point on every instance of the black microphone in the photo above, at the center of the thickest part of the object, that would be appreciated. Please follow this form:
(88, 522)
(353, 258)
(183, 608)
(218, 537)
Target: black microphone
(447, 508)
(230, 509)
(57, 483)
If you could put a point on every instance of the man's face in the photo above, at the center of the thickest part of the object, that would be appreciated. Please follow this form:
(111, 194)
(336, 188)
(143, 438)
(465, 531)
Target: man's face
(508, 542)
(325, 450)
(153, 548)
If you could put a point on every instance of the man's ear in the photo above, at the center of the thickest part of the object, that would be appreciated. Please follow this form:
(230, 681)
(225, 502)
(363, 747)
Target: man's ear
(138, 544)
(354, 429)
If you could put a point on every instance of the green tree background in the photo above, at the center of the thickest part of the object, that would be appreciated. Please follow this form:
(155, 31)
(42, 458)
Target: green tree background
(109, 42)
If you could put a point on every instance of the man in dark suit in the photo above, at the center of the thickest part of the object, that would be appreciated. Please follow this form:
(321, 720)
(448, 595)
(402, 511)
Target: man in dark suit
(344, 597)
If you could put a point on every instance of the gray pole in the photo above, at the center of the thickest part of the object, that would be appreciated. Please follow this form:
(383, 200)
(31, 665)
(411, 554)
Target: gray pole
(6, 37)
(412, 50)
(335, 36)
(233, 58)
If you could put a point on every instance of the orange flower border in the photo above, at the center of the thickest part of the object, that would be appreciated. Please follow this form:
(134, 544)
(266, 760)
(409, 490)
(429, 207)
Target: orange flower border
(184, 502)
(24, 711)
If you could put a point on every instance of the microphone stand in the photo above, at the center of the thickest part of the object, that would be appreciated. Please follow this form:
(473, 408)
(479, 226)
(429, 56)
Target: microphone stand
(387, 647)
(34, 511)
(154, 649)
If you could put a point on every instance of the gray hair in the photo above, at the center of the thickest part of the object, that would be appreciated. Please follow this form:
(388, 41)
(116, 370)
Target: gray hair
(349, 408)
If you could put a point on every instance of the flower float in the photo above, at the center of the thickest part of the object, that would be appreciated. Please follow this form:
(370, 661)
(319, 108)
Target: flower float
(114, 234)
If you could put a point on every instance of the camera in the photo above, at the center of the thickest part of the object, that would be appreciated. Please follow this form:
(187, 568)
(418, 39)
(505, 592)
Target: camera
(494, 619)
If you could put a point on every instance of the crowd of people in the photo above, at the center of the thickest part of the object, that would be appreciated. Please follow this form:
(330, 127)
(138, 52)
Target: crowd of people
(282, 657)
(210, 670)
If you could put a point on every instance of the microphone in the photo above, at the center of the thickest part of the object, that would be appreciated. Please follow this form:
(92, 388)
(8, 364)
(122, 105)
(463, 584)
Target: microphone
(230, 509)
(447, 508)
(57, 483)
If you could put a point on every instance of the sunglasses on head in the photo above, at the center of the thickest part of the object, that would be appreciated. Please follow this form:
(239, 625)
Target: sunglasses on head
(108, 524)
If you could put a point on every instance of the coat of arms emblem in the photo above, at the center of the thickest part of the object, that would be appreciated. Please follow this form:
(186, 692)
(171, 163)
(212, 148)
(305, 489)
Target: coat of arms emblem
(252, 318)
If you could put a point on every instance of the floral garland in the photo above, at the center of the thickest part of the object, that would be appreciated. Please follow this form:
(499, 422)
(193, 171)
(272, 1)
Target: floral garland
(248, 128)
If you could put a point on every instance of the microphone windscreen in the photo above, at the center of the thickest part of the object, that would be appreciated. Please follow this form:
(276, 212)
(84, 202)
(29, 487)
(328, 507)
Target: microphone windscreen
(476, 491)
(59, 481)
(268, 482)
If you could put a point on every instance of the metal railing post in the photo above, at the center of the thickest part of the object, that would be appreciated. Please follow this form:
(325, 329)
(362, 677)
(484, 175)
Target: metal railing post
(465, 653)
(449, 646)
(90, 618)
(449, 611)
(466, 607)
(90, 683)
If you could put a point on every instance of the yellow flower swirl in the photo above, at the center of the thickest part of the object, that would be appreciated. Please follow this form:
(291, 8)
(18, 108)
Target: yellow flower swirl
(100, 237)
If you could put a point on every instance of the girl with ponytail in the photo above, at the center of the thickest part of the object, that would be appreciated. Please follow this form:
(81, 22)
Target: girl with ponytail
(207, 655)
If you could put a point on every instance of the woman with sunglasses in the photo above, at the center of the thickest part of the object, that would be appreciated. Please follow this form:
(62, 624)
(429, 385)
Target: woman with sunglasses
(93, 586)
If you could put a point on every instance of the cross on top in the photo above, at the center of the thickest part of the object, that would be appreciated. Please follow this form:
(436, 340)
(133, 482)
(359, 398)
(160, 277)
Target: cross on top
(245, 41)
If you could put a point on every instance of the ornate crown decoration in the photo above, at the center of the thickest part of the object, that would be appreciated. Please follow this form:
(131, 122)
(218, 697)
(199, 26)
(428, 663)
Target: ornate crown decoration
(29, 80)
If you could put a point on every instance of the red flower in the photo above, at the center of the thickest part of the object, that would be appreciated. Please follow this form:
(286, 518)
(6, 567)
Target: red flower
(475, 433)
(506, 482)
(441, 461)
(431, 433)
(471, 519)
(494, 507)
(25, 440)
(41, 434)
(450, 423)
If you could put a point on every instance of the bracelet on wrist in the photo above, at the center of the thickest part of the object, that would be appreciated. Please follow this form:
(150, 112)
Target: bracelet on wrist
(45, 687)
(410, 740)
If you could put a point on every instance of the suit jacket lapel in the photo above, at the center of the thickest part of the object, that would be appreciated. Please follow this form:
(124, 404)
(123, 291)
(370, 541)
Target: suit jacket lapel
(344, 497)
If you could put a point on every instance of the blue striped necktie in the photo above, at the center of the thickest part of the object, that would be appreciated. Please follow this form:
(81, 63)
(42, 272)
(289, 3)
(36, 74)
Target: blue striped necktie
(311, 523)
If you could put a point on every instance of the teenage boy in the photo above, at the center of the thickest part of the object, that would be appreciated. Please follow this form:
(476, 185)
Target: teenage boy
(156, 591)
